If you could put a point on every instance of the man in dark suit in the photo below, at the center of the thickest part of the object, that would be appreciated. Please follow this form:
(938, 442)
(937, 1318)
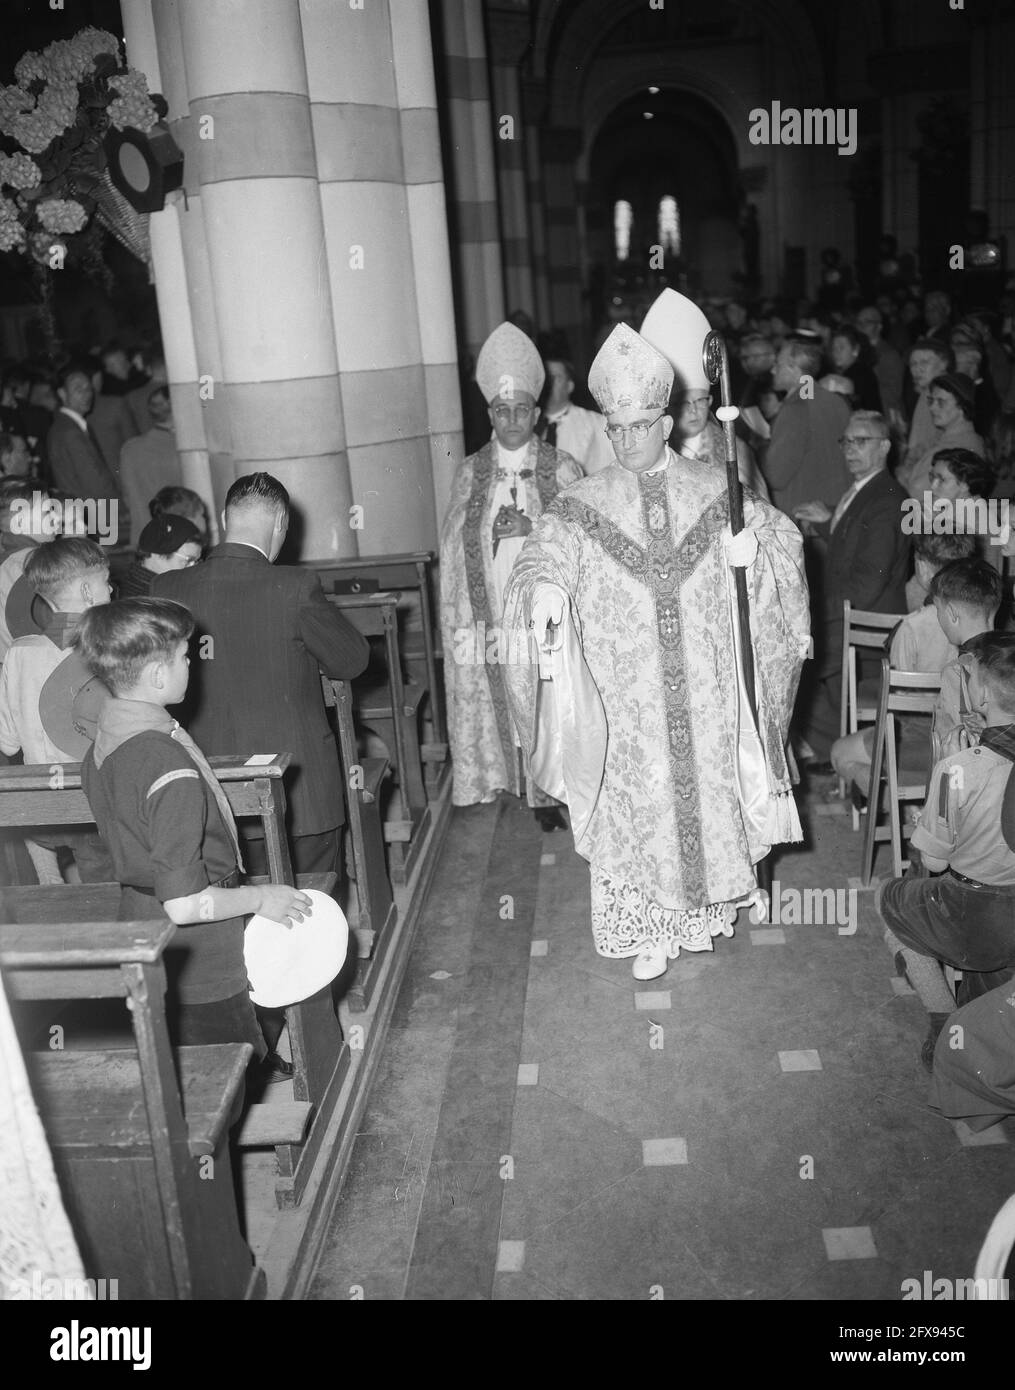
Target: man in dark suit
(867, 561)
(76, 464)
(258, 690)
(803, 460)
(258, 687)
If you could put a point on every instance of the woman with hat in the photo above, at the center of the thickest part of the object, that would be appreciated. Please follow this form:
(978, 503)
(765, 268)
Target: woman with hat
(166, 543)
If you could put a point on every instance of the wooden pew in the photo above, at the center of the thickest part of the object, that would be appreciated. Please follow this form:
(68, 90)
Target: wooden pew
(412, 572)
(142, 1157)
(393, 712)
(40, 796)
(377, 911)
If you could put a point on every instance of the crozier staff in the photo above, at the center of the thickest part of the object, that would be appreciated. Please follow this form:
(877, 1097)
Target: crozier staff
(636, 560)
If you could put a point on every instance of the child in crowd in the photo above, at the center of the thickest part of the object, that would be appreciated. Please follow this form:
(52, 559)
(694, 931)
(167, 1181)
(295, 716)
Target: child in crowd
(965, 917)
(966, 595)
(167, 821)
(72, 576)
(918, 644)
(930, 554)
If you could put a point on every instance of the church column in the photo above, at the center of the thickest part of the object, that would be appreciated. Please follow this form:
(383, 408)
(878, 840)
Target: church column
(534, 96)
(900, 179)
(474, 205)
(368, 258)
(431, 253)
(560, 148)
(509, 39)
(992, 124)
(261, 209)
(189, 337)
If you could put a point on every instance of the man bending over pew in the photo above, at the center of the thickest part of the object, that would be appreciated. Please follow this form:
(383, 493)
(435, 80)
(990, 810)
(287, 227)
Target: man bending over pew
(167, 821)
(72, 576)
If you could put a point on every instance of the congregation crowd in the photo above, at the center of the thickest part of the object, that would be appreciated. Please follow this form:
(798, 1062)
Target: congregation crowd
(882, 435)
(858, 429)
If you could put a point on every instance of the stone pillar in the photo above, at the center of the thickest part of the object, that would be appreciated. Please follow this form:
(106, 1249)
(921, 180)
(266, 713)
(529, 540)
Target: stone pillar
(431, 253)
(157, 52)
(509, 39)
(264, 231)
(992, 124)
(560, 148)
(534, 96)
(474, 206)
(369, 262)
(900, 175)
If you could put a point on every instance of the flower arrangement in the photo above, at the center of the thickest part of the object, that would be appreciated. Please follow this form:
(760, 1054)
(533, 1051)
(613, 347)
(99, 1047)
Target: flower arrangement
(55, 192)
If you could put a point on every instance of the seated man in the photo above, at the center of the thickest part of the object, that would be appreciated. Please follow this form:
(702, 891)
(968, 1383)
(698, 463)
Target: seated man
(918, 644)
(966, 917)
(866, 562)
(72, 575)
(966, 596)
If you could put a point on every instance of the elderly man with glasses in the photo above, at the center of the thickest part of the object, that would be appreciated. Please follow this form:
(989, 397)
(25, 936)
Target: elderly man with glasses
(867, 561)
(633, 566)
(496, 495)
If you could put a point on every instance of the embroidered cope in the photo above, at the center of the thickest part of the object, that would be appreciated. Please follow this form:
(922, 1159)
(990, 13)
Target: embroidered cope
(643, 561)
(482, 736)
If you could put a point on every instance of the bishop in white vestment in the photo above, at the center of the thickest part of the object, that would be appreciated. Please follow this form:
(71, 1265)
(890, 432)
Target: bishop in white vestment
(496, 496)
(637, 558)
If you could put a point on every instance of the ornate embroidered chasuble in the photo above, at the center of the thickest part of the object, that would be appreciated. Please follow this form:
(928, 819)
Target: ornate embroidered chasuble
(484, 751)
(663, 567)
(642, 560)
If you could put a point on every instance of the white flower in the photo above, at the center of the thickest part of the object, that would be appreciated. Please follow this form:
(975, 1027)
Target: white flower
(133, 106)
(18, 171)
(12, 233)
(42, 246)
(61, 214)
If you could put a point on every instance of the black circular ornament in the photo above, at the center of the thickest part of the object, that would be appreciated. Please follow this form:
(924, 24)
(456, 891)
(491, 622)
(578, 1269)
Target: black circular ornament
(145, 168)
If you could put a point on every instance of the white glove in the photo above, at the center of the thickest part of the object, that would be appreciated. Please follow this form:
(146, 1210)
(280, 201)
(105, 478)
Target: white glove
(742, 547)
(547, 607)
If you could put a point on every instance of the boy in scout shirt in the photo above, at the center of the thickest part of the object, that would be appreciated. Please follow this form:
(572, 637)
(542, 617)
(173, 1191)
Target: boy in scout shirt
(167, 823)
(965, 916)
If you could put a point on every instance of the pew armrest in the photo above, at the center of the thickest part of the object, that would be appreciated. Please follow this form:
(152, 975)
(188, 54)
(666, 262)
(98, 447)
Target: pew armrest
(265, 1126)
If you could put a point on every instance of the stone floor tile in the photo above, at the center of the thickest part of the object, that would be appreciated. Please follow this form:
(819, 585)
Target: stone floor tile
(805, 1060)
(849, 1243)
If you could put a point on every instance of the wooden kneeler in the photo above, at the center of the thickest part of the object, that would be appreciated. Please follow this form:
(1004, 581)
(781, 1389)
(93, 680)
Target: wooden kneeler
(377, 910)
(41, 796)
(392, 709)
(141, 1153)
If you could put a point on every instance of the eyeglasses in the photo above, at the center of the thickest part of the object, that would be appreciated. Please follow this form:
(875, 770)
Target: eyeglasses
(696, 402)
(639, 432)
(188, 560)
(858, 439)
(504, 413)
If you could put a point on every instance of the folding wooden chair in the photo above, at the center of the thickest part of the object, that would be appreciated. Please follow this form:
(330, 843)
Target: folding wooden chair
(902, 692)
(858, 704)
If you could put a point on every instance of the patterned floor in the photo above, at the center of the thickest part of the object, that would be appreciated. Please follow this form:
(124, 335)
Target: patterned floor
(750, 1126)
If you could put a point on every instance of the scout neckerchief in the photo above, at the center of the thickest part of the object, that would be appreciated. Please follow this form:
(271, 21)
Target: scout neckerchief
(122, 719)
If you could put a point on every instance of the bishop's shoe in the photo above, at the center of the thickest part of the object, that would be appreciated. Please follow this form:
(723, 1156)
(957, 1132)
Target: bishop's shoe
(550, 818)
